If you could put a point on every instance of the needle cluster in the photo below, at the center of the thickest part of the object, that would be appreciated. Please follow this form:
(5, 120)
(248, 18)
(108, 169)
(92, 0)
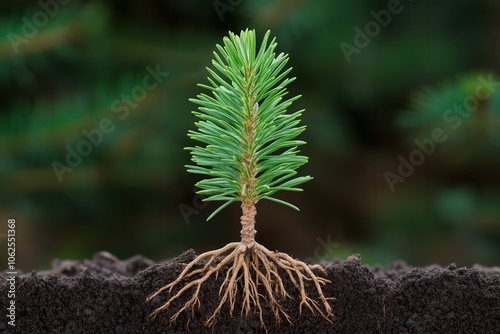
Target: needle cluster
(249, 146)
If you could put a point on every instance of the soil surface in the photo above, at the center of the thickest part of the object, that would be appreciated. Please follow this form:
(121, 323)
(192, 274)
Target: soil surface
(106, 295)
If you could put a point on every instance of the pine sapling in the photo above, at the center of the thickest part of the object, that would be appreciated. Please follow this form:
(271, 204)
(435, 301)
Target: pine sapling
(248, 152)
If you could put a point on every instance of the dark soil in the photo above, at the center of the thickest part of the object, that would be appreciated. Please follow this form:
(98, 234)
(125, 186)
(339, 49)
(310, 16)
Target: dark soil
(105, 295)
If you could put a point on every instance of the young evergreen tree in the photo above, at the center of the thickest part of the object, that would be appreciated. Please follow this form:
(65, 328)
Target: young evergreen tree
(248, 153)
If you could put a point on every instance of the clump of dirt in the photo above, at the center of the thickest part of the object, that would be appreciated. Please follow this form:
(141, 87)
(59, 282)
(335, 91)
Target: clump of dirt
(106, 295)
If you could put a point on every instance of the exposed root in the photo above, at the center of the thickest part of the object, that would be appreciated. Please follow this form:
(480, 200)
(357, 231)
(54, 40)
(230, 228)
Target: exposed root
(252, 269)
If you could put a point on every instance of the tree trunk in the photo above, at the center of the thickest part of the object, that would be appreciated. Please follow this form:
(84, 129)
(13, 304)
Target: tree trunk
(248, 231)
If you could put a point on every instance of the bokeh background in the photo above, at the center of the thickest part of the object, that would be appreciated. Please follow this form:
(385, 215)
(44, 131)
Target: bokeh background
(372, 90)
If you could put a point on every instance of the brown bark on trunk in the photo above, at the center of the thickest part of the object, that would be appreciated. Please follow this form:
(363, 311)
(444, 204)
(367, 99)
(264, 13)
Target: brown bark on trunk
(248, 231)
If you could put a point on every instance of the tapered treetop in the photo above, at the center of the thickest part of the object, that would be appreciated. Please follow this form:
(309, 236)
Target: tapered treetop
(249, 148)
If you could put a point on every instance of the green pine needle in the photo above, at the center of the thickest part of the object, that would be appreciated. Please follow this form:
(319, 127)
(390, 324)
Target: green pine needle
(249, 149)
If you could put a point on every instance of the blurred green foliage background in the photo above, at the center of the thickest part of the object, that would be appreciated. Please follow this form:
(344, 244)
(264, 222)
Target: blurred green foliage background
(377, 78)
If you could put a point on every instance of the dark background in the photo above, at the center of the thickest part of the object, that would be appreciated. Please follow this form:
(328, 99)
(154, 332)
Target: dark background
(65, 64)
